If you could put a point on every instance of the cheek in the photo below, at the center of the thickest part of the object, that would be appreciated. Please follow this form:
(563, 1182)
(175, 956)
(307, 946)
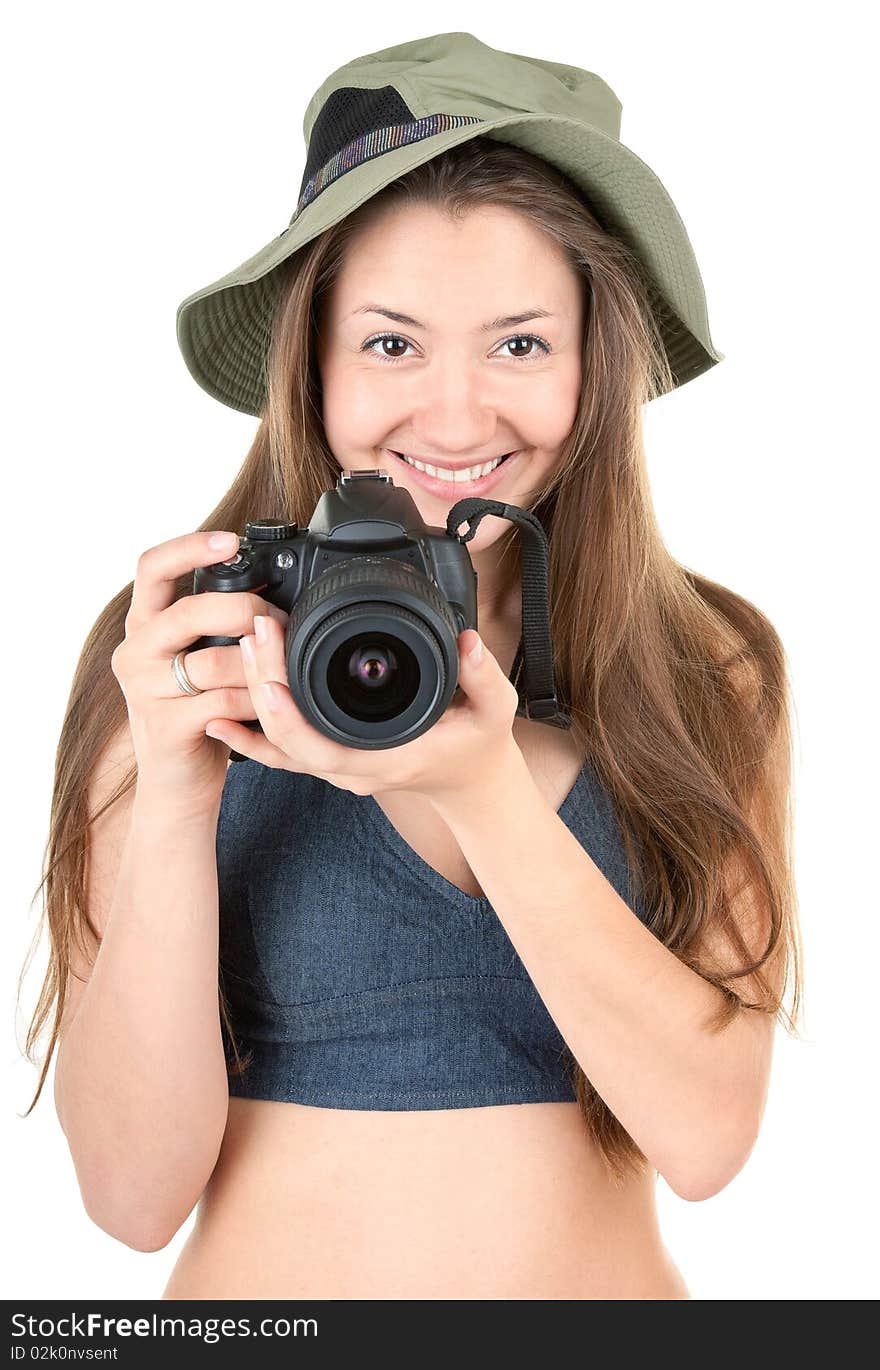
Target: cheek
(356, 409)
(553, 408)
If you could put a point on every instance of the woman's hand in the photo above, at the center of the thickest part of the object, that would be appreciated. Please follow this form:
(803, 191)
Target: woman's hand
(463, 746)
(167, 726)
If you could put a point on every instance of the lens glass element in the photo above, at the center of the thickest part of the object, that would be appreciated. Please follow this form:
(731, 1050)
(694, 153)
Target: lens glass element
(373, 676)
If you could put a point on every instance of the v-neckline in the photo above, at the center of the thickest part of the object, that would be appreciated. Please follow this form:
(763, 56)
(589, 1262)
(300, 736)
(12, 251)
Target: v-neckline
(426, 873)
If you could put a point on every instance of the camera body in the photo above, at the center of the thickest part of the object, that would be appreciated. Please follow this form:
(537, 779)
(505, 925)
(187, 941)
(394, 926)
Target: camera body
(376, 601)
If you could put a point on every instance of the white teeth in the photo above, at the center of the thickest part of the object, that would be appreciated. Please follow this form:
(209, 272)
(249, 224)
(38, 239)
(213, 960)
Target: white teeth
(453, 477)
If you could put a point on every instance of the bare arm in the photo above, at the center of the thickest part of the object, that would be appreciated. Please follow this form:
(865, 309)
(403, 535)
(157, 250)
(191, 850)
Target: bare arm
(633, 1014)
(140, 1079)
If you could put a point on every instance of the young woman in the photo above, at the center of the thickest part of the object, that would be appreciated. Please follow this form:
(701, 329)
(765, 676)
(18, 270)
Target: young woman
(476, 991)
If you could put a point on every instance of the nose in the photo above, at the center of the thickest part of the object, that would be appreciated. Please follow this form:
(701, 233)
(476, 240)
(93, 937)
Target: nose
(453, 413)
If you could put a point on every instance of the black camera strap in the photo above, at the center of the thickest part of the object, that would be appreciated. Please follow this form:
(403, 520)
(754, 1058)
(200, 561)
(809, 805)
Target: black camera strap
(538, 696)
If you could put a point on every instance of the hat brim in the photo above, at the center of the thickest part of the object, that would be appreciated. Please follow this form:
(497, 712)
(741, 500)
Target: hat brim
(222, 329)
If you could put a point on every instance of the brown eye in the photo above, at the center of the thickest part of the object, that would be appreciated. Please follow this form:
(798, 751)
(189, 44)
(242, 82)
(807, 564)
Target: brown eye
(370, 344)
(527, 338)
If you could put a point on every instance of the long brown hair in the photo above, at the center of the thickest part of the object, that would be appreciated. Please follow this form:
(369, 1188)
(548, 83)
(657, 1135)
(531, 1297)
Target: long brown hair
(677, 687)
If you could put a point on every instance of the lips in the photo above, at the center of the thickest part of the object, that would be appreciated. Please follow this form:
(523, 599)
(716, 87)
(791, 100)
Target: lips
(448, 489)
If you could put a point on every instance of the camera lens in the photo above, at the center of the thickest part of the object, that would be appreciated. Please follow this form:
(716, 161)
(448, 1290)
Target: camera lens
(373, 676)
(371, 652)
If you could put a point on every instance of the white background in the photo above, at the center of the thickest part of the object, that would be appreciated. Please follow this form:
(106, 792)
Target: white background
(149, 149)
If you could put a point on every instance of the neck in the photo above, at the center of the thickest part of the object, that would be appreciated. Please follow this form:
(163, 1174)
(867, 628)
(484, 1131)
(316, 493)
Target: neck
(499, 606)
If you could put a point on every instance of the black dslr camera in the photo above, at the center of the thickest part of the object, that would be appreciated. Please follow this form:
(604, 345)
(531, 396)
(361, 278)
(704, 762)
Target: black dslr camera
(376, 602)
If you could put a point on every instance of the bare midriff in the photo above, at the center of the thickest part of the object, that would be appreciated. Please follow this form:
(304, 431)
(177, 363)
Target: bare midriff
(506, 1202)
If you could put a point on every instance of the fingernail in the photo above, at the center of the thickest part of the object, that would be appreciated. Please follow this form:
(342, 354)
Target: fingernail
(260, 628)
(475, 654)
(247, 649)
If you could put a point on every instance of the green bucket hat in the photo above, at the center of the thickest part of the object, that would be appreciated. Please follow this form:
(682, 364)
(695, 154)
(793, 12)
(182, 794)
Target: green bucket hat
(380, 116)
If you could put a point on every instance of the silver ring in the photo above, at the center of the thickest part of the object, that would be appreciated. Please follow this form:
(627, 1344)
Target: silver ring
(182, 678)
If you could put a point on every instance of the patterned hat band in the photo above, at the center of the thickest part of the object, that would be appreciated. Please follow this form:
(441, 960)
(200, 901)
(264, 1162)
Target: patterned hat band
(373, 144)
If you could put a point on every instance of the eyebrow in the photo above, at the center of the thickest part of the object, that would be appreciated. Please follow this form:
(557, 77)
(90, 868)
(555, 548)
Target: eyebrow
(508, 321)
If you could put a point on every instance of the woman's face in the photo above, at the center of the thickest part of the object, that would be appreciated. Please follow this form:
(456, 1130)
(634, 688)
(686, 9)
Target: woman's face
(465, 378)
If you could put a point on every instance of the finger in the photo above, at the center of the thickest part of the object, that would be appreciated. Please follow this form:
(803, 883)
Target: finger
(265, 667)
(160, 568)
(265, 671)
(255, 746)
(209, 668)
(487, 688)
(471, 657)
(212, 613)
(188, 715)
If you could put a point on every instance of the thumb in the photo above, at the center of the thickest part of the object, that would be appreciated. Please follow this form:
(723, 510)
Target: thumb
(484, 682)
(473, 650)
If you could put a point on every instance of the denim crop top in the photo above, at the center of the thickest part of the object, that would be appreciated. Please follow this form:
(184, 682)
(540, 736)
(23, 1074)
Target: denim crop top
(357, 976)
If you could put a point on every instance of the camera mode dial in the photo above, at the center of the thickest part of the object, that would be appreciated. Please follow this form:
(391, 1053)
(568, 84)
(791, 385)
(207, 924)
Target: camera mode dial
(269, 530)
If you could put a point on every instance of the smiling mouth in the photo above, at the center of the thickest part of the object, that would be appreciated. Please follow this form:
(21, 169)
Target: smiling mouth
(462, 476)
